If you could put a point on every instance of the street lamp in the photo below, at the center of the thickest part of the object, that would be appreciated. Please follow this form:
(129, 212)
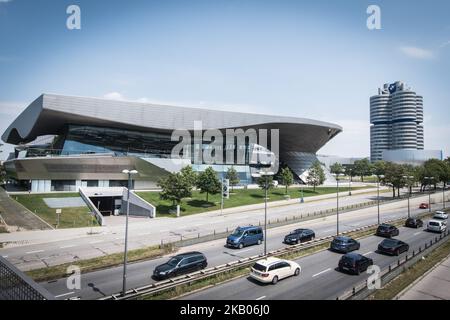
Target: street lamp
(124, 285)
(349, 186)
(379, 177)
(409, 179)
(301, 199)
(429, 192)
(266, 175)
(443, 194)
(337, 201)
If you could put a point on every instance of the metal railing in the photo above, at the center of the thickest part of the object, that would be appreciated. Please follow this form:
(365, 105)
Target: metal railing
(161, 286)
(362, 291)
(15, 285)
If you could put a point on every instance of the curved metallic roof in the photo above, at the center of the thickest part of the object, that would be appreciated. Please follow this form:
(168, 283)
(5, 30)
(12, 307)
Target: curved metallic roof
(49, 113)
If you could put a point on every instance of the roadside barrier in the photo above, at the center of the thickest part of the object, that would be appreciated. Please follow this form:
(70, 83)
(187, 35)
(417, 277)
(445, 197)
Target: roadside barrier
(361, 290)
(161, 286)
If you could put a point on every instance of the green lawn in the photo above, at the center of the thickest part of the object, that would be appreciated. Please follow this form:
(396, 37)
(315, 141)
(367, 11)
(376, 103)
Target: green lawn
(70, 217)
(239, 197)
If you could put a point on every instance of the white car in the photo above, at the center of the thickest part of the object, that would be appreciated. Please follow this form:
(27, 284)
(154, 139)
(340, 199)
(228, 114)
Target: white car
(440, 215)
(437, 225)
(271, 269)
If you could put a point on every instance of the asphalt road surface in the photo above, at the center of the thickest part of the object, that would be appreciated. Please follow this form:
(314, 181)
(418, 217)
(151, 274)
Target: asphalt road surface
(319, 279)
(105, 282)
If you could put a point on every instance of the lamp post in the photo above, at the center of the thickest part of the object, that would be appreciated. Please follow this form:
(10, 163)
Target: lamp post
(379, 177)
(266, 175)
(409, 179)
(301, 199)
(337, 201)
(349, 186)
(443, 194)
(429, 179)
(124, 284)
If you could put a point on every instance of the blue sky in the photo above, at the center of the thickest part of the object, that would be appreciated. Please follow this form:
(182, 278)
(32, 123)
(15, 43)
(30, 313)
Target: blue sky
(313, 59)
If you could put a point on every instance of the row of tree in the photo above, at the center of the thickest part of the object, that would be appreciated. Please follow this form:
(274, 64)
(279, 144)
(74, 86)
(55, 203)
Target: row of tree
(431, 173)
(179, 185)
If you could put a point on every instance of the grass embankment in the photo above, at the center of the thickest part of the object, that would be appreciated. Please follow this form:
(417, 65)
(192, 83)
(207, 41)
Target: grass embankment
(239, 197)
(73, 217)
(108, 261)
(3, 229)
(241, 272)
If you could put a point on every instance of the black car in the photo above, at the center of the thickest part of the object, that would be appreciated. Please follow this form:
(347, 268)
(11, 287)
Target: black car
(180, 264)
(354, 263)
(299, 235)
(387, 230)
(413, 223)
(344, 244)
(392, 247)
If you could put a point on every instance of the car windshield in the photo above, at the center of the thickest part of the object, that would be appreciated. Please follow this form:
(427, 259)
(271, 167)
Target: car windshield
(174, 261)
(237, 233)
(297, 231)
(348, 259)
(434, 224)
(340, 241)
(259, 267)
(389, 243)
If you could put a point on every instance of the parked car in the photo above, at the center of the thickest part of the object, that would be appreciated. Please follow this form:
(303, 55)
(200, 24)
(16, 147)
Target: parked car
(354, 263)
(181, 264)
(437, 225)
(423, 206)
(392, 247)
(245, 236)
(387, 230)
(344, 244)
(271, 269)
(413, 223)
(299, 235)
(440, 215)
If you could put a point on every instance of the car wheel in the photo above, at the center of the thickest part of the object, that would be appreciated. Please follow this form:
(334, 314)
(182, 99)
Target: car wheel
(312, 238)
(297, 272)
(297, 242)
(397, 252)
(259, 242)
(241, 245)
(357, 271)
(275, 280)
(359, 246)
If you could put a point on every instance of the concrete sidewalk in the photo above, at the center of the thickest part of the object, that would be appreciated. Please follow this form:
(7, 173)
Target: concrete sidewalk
(434, 285)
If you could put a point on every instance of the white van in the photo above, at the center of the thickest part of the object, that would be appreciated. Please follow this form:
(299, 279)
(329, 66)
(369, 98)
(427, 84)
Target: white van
(437, 225)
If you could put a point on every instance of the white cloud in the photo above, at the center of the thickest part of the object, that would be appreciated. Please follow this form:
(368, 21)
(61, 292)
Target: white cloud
(4, 1)
(417, 53)
(114, 96)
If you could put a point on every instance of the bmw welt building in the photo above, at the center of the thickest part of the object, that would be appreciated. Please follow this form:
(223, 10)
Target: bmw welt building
(63, 143)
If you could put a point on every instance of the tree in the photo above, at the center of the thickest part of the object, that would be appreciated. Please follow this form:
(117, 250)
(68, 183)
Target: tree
(287, 178)
(262, 182)
(394, 176)
(316, 176)
(336, 168)
(349, 170)
(190, 176)
(233, 176)
(363, 168)
(207, 182)
(174, 188)
(434, 169)
(379, 168)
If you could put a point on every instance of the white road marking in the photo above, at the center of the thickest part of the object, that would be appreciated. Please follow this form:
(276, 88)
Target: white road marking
(417, 233)
(328, 230)
(5, 256)
(326, 270)
(64, 294)
(98, 241)
(240, 251)
(367, 253)
(31, 252)
(119, 238)
(65, 247)
(260, 298)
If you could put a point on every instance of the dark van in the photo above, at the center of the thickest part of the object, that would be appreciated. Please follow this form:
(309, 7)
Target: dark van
(181, 264)
(245, 236)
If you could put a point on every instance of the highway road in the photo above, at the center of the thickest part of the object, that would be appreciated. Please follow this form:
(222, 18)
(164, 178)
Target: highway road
(105, 282)
(39, 249)
(319, 279)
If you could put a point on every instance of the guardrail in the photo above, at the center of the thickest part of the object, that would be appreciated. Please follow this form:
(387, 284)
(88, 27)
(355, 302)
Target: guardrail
(168, 284)
(188, 239)
(361, 290)
(94, 210)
